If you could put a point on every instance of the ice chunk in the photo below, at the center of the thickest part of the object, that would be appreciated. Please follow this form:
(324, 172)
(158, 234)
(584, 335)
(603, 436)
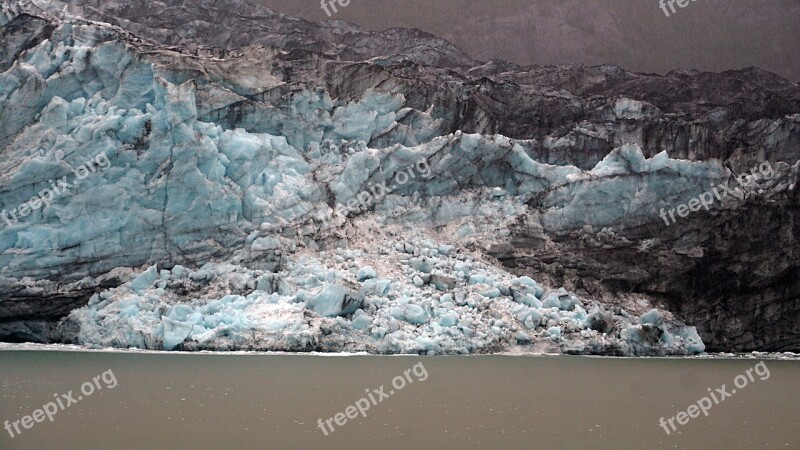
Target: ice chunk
(695, 343)
(379, 287)
(554, 332)
(492, 292)
(653, 317)
(175, 332)
(415, 314)
(523, 337)
(333, 300)
(366, 273)
(362, 322)
(145, 280)
(449, 320)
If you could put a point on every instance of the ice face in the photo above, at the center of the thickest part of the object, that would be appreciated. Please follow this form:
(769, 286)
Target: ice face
(174, 181)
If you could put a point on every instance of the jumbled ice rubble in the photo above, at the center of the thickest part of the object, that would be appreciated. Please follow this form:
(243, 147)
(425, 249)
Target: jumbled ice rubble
(407, 296)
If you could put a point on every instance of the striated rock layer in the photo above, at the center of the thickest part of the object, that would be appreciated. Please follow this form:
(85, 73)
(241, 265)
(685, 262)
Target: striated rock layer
(212, 175)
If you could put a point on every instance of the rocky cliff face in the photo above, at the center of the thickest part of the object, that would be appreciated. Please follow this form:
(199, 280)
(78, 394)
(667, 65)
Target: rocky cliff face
(226, 138)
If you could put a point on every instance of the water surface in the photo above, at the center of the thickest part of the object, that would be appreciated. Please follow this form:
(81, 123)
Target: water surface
(218, 401)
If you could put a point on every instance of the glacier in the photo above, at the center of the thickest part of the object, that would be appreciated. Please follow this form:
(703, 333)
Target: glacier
(240, 211)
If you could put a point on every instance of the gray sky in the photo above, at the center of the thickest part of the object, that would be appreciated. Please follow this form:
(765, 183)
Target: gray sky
(635, 34)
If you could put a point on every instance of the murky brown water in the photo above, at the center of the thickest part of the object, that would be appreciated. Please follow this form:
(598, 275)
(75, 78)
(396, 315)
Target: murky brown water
(168, 401)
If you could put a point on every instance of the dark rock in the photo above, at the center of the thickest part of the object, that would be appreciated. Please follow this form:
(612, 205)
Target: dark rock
(601, 321)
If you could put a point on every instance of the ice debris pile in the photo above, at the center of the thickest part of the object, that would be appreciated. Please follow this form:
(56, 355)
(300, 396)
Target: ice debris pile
(399, 296)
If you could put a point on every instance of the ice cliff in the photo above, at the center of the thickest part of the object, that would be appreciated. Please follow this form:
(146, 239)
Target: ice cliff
(331, 189)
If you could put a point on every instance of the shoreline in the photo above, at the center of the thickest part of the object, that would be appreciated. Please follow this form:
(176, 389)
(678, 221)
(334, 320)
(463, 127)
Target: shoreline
(32, 347)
